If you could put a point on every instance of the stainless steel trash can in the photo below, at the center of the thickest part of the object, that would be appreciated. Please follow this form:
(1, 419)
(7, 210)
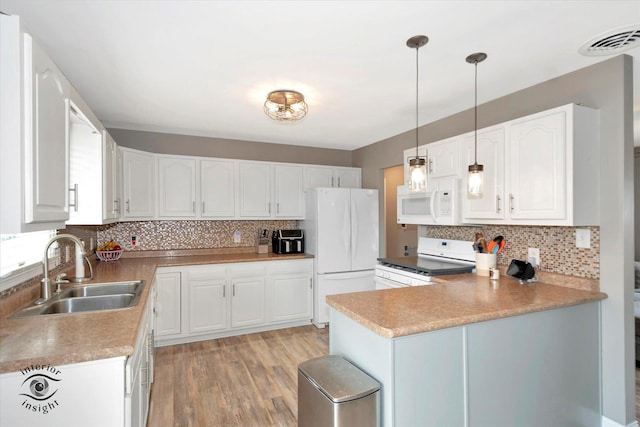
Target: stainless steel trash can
(334, 393)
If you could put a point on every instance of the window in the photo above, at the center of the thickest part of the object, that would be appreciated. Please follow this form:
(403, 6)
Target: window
(20, 256)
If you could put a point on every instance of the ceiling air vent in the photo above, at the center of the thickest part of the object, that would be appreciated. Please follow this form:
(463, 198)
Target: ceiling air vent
(613, 42)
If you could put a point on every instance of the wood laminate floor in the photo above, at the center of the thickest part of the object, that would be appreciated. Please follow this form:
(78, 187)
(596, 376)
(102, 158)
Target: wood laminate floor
(249, 380)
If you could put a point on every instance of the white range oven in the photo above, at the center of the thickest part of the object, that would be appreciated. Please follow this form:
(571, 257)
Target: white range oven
(436, 257)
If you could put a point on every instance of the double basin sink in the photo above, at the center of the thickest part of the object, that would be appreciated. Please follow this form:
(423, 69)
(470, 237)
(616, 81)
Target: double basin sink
(84, 298)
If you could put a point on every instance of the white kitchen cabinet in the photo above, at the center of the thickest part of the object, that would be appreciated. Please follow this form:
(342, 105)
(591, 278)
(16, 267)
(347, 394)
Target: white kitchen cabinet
(254, 189)
(217, 188)
(290, 287)
(93, 170)
(169, 303)
(316, 176)
(551, 170)
(207, 298)
(219, 300)
(288, 191)
(138, 375)
(269, 190)
(139, 184)
(176, 187)
(444, 158)
(34, 139)
(247, 294)
(491, 156)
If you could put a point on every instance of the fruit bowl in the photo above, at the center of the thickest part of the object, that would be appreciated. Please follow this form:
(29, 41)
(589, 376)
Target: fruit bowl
(107, 256)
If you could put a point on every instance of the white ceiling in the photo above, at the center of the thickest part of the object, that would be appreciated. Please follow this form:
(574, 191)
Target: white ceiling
(205, 67)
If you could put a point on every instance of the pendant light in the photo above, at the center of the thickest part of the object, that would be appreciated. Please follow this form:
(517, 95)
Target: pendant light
(475, 178)
(417, 165)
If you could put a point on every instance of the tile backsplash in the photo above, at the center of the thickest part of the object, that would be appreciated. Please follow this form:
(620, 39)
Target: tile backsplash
(166, 235)
(558, 252)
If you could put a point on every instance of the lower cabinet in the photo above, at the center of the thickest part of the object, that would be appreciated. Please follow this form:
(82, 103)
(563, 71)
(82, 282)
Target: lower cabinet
(212, 301)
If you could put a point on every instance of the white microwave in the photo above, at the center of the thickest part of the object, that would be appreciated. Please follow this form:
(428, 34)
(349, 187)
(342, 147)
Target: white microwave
(439, 204)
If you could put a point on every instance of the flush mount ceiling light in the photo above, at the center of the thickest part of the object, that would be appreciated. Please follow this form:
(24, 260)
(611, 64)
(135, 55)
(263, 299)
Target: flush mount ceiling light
(612, 42)
(417, 165)
(285, 105)
(474, 184)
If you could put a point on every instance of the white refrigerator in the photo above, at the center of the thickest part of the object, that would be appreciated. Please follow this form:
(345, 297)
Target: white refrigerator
(341, 231)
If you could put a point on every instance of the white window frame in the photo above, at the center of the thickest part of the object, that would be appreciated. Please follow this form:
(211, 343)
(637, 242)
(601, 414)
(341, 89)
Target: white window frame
(33, 269)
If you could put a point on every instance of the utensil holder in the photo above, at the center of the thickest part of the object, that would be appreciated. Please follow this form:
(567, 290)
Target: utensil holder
(484, 262)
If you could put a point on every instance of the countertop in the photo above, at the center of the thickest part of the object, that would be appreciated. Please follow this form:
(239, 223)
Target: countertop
(455, 301)
(63, 339)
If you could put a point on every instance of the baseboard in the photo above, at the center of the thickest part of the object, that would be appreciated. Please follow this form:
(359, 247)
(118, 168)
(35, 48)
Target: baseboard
(606, 422)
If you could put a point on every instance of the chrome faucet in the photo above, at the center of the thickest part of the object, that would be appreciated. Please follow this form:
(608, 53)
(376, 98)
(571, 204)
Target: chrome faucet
(45, 283)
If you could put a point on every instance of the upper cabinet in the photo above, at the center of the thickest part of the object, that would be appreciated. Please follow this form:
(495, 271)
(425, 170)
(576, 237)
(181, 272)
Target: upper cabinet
(270, 190)
(217, 188)
(550, 171)
(176, 187)
(443, 158)
(139, 184)
(330, 176)
(34, 139)
(93, 170)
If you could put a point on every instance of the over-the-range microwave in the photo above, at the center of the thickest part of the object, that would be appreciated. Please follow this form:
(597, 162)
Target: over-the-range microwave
(438, 204)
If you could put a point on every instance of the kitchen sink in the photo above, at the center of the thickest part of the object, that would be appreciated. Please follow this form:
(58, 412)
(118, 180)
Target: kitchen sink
(86, 298)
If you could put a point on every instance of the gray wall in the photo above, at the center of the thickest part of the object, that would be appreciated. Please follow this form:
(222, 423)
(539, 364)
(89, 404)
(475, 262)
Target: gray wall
(637, 199)
(606, 86)
(165, 143)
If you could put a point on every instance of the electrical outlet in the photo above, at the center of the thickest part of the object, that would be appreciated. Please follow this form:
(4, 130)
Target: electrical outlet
(135, 241)
(533, 256)
(237, 236)
(583, 238)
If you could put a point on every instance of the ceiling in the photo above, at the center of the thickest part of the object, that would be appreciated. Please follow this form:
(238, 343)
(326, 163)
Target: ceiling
(205, 67)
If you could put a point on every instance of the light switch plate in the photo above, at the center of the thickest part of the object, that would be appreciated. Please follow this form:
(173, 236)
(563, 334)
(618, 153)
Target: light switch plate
(533, 256)
(583, 238)
(237, 236)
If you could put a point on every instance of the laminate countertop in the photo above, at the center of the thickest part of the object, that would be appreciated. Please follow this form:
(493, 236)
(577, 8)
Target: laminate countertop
(63, 339)
(455, 301)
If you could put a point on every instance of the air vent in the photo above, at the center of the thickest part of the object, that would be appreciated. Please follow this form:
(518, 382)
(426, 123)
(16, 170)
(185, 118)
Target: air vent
(613, 42)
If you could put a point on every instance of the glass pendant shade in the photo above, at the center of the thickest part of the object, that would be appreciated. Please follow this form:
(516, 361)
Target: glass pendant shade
(417, 174)
(475, 181)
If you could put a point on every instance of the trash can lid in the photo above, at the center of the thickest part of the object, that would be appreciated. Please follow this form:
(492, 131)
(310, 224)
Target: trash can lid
(338, 379)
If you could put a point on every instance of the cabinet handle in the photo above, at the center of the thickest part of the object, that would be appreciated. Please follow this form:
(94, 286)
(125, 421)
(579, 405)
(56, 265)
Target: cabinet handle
(127, 203)
(234, 290)
(310, 283)
(194, 206)
(116, 207)
(278, 207)
(510, 202)
(339, 185)
(144, 379)
(75, 197)
(430, 166)
(497, 203)
(332, 181)
(202, 208)
(224, 291)
(269, 207)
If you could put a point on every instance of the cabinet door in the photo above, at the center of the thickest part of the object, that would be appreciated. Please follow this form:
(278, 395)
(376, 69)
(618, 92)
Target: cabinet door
(347, 177)
(139, 184)
(291, 297)
(109, 178)
(289, 195)
(537, 162)
(168, 309)
(177, 187)
(491, 156)
(207, 300)
(318, 176)
(444, 158)
(46, 137)
(247, 303)
(217, 188)
(255, 189)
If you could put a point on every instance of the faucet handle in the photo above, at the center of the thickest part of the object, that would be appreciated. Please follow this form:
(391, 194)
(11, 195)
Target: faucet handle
(60, 280)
